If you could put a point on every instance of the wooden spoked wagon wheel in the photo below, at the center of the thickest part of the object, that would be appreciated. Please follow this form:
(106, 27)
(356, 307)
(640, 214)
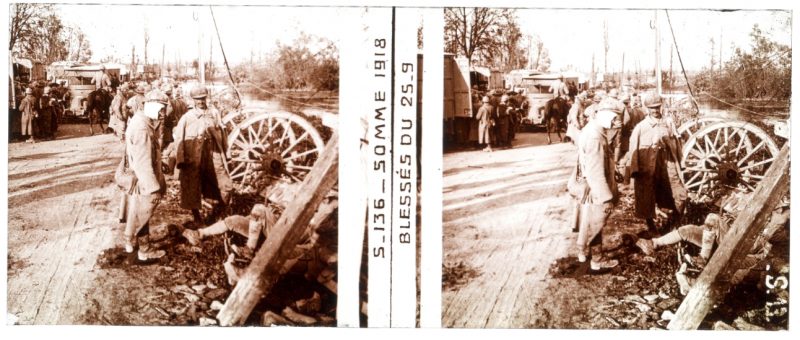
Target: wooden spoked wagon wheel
(236, 117)
(272, 146)
(690, 127)
(724, 156)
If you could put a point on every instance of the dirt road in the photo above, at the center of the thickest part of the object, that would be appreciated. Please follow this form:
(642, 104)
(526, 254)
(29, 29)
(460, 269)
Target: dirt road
(505, 221)
(61, 214)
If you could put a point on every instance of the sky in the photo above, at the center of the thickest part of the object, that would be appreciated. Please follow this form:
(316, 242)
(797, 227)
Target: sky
(571, 36)
(113, 29)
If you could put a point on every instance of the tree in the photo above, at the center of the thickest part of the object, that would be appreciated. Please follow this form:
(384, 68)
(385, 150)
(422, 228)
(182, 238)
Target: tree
(474, 33)
(80, 50)
(763, 72)
(540, 56)
(510, 53)
(25, 20)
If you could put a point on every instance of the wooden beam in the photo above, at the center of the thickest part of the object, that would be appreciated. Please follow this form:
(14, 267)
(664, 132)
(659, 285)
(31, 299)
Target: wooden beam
(715, 279)
(265, 269)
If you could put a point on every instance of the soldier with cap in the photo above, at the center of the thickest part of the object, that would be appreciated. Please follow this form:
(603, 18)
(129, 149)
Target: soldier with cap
(198, 151)
(29, 114)
(144, 159)
(653, 163)
(486, 120)
(597, 170)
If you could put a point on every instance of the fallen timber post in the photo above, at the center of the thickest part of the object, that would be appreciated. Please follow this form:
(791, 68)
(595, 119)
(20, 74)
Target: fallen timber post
(715, 280)
(265, 269)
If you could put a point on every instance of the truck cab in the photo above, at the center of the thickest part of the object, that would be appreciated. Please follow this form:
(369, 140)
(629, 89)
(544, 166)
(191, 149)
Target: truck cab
(538, 90)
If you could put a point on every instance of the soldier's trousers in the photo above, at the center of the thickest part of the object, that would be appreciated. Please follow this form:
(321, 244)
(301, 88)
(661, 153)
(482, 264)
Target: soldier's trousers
(592, 219)
(140, 210)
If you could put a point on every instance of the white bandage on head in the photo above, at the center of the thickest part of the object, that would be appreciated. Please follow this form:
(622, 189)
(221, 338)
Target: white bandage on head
(605, 117)
(151, 109)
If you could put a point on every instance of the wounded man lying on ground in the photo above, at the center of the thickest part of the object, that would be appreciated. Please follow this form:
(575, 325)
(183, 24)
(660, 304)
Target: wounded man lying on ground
(262, 220)
(708, 237)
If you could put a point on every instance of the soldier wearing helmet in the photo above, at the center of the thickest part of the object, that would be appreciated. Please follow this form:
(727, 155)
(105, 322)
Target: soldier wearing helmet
(144, 158)
(652, 162)
(198, 151)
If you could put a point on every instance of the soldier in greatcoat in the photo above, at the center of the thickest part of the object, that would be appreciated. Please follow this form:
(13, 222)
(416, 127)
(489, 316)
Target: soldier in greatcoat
(29, 110)
(596, 205)
(198, 152)
(653, 162)
(144, 159)
(486, 121)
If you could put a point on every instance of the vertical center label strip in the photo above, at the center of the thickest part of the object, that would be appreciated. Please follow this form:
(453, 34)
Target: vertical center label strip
(404, 204)
(379, 164)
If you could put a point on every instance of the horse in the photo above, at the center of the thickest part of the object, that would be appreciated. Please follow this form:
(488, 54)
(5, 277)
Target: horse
(555, 113)
(98, 103)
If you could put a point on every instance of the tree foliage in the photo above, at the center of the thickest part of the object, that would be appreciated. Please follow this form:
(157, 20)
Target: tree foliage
(764, 72)
(37, 32)
(307, 63)
(486, 36)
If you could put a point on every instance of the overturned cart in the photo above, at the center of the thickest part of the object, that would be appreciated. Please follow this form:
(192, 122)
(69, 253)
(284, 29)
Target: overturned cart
(283, 157)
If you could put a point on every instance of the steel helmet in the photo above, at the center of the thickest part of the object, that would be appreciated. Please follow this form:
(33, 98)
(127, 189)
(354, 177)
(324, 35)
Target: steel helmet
(199, 92)
(652, 100)
(141, 89)
(157, 96)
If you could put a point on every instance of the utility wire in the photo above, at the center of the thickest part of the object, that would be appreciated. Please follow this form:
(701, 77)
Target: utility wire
(230, 75)
(674, 41)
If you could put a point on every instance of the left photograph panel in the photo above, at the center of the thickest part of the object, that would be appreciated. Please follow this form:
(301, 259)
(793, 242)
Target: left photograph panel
(173, 165)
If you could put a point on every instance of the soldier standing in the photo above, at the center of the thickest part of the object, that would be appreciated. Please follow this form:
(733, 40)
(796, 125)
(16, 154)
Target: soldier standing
(485, 119)
(28, 109)
(598, 201)
(198, 152)
(653, 162)
(144, 159)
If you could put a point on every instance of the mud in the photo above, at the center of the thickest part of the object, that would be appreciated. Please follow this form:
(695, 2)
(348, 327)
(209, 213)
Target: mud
(180, 288)
(635, 294)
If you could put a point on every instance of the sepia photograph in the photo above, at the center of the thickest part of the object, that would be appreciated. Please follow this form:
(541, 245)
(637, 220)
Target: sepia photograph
(172, 165)
(616, 168)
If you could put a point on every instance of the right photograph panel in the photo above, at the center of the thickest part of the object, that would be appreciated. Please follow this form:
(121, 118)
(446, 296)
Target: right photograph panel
(616, 169)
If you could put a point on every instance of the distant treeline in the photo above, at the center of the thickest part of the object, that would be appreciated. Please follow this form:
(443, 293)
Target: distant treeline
(763, 73)
(308, 63)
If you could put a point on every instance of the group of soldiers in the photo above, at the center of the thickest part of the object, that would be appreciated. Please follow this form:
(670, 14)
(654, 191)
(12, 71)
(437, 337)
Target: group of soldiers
(499, 118)
(628, 137)
(195, 147)
(41, 110)
(621, 138)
